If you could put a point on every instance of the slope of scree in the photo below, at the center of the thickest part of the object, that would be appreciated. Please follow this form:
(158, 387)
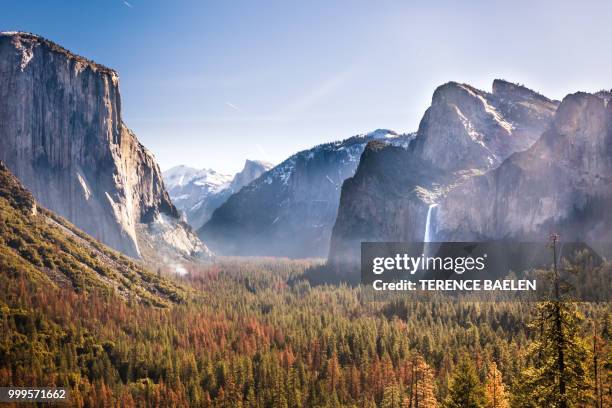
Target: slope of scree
(49, 251)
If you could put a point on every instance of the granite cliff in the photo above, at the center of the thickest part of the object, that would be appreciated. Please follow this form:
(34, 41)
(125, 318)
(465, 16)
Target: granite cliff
(62, 135)
(466, 132)
(563, 184)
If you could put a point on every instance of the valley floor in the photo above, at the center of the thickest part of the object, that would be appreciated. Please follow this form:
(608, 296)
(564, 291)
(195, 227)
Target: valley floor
(253, 333)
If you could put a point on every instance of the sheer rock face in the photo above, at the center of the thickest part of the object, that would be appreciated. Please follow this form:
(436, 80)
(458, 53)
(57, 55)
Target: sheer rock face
(290, 209)
(469, 128)
(62, 135)
(563, 183)
(464, 133)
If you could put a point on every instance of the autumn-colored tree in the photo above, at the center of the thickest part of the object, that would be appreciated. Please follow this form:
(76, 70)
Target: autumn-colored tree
(421, 388)
(334, 374)
(495, 390)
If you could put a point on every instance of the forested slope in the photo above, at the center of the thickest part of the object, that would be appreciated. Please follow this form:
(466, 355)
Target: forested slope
(49, 252)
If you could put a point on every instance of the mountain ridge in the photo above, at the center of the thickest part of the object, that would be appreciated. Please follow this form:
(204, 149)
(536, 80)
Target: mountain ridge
(290, 210)
(465, 132)
(565, 181)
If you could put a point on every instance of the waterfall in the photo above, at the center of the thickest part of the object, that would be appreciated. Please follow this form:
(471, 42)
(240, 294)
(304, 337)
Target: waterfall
(428, 248)
(428, 228)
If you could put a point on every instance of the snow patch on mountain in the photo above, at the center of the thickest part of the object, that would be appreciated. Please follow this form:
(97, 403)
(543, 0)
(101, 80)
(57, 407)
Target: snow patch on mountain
(198, 192)
(181, 176)
(290, 210)
(347, 151)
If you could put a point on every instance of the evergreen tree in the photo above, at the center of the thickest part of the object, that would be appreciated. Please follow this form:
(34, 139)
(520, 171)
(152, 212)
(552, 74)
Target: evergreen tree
(601, 367)
(392, 397)
(465, 388)
(558, 377)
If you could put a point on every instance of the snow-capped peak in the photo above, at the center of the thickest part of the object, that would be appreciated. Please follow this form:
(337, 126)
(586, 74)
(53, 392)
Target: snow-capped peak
(197, 193)
(347, 153)
(178, 176)
(381, 134)
(181, 176)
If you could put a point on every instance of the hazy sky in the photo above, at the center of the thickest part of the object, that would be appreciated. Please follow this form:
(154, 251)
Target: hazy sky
(211, 83)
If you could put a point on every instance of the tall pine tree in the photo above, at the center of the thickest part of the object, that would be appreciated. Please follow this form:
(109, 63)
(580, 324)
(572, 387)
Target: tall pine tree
(557, 379)
(495, 390)
(392, 397)
(465, 389)
(421, 386)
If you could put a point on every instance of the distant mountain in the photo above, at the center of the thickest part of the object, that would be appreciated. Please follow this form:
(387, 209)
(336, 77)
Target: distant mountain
(197, 193)
(49, 251)
(62, 135)
(290, 210)
(190, 189)
(465, 132)
(251, 171)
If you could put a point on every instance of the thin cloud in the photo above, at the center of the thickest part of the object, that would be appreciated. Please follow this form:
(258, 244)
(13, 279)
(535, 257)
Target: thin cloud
(318, 93)
(234, 107)
(127, 4)
(265, 155)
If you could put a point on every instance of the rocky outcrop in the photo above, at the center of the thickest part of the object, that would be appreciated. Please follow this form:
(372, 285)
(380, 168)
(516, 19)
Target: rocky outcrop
(290, 210)
(198, 193)
(465, 132)
(563, 184)
(251, 171)
(62, 135)
(469, 128)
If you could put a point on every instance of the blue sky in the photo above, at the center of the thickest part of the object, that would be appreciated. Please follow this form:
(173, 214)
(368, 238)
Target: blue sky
(211, 83)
